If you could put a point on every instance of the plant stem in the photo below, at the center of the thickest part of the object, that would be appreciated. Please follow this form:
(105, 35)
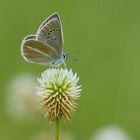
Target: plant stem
(57, 129)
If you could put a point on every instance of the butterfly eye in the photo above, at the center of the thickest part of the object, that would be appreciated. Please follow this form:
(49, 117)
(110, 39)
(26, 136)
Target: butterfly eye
(65, 56)
(48, 37)
(50, 30)
(49, 33)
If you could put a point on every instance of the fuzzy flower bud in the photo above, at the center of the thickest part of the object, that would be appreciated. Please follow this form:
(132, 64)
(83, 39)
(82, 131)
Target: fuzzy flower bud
(58, 91)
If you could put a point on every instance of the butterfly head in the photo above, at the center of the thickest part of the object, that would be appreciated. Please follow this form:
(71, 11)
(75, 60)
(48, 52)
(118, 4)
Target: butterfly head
(60, 60)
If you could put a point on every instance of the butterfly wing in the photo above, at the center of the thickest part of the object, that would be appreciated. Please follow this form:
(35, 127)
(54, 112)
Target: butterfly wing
(50, 32)
(54, 15)
(35, 51)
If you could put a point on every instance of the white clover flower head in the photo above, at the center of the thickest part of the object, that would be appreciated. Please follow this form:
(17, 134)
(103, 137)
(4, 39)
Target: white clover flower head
(59, 91)
(111, 133)
(21, 98)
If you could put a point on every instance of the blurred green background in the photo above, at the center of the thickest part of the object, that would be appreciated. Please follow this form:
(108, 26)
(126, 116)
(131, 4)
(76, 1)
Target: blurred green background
(106, 33)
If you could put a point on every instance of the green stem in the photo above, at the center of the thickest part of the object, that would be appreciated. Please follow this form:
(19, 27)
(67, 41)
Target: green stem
(57, 129)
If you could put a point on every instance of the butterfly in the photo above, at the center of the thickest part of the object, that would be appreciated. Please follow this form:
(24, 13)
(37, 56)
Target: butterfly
(46, 47)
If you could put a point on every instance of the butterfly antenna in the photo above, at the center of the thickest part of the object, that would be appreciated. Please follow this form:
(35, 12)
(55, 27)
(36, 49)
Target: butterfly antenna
(72, 58)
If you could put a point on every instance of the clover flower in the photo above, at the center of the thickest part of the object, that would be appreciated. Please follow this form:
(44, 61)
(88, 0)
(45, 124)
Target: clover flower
(112, 132)
(59, 91)
(21, 99)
